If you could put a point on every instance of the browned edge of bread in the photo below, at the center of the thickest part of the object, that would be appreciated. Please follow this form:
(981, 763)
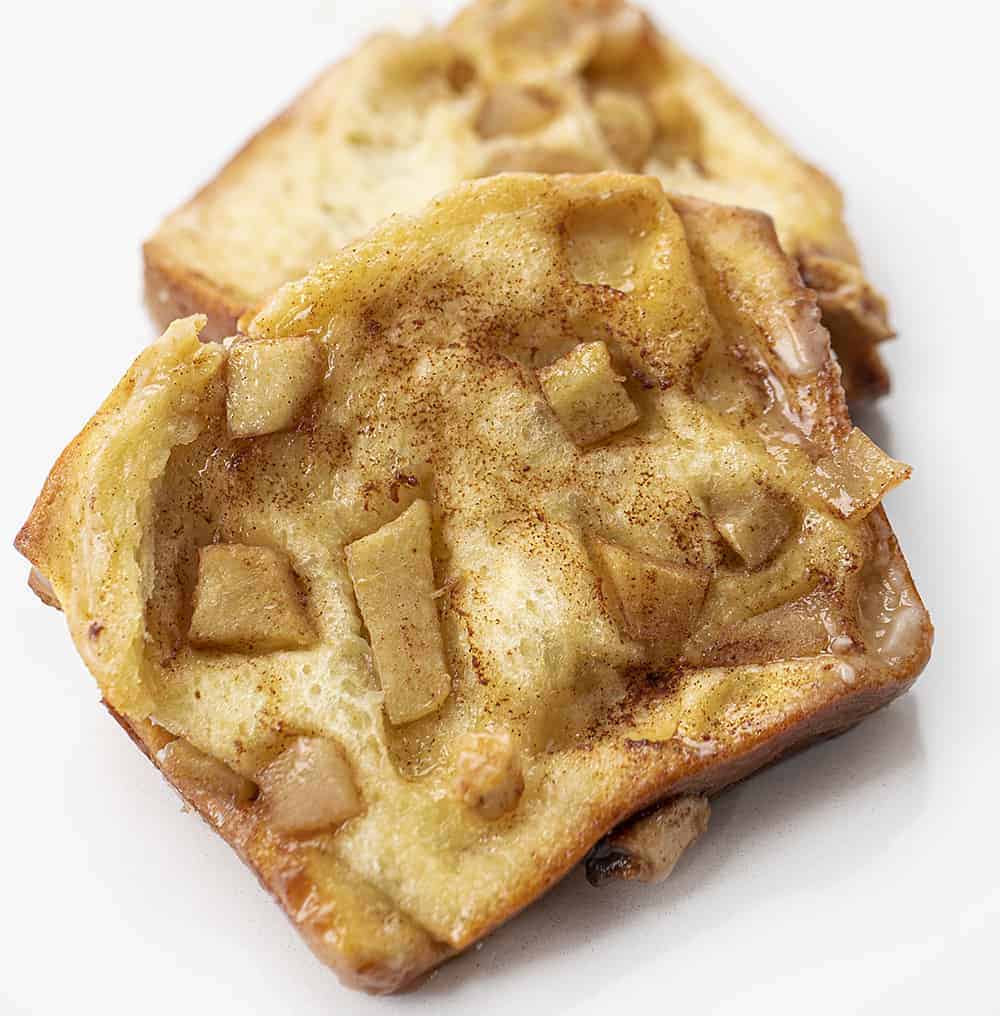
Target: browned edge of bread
(280, 873)
(277, 873)
(172, 292)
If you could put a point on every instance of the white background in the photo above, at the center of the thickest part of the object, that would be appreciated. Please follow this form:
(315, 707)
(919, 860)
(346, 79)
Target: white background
(860, 877)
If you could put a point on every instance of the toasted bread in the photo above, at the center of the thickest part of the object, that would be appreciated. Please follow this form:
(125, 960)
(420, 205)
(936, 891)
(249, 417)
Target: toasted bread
(538, 85)
(449, 639)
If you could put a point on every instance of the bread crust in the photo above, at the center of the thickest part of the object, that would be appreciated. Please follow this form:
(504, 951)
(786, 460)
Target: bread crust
(173, 288)
(279, 871)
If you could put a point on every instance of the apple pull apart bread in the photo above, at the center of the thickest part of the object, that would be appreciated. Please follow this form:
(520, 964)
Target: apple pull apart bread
(514, 519)
(547, 86)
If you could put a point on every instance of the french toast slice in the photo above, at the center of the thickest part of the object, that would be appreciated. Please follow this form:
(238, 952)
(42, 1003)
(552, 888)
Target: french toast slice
(535, 85)
(415, 647)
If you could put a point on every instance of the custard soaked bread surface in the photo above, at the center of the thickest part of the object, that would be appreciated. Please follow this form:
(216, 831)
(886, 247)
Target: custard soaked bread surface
(416, 648)
(536, 85)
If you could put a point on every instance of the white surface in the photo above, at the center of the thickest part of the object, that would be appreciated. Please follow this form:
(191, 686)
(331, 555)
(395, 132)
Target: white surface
(860, 877)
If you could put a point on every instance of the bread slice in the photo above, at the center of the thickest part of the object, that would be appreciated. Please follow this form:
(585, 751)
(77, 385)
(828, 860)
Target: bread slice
(539, 85)
(414, 648)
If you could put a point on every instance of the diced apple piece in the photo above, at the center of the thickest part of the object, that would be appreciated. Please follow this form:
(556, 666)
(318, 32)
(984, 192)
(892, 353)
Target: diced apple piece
(310, 787)
(680, 127)
(269, 382)
(489, 777)
(182, 761)
(806, 627)
(854, 479)
(512, 109)
(587, 395)
(753, 519)
(658, 601)
(246, 598)
(626, 124)
(393, 577)
(607, 242)
(42, 588)
(648, 848)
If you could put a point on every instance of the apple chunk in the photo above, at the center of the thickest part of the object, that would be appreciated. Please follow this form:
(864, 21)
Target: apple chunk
(269, 382)
(753, 519)
(489, 778)
(182, 761)
(587, 395)
(393, 577)
(657, 601)
(621, 35)
(801, 628)
(310, 787)
(853, 480)
(247, 599)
